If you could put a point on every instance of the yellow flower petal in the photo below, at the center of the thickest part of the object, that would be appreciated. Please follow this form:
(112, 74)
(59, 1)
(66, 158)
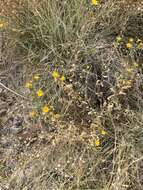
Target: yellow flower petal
(97, 142)
(55, 74)
(103, 132)
(118, 38)
(45, 109)
(94, 2)
(40, 93)
(36, 77)
(28, 85)
(62, 78)
(129, 45)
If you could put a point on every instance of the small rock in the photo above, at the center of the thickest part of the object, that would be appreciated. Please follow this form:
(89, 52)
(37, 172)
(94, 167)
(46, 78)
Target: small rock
(15, 130)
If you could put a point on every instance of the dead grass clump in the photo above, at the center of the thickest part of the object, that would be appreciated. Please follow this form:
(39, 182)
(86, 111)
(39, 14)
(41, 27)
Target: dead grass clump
(86, 85)
(74, 161)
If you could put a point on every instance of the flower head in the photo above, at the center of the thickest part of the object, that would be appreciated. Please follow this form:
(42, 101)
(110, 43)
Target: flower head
(94, 2)
(129, 45)
(118, 39)
(45, 109)
(40, 93)
(103, 132)
(62, 78)
(36, 77)
(97, 142)
(28, 85)
(55, 74)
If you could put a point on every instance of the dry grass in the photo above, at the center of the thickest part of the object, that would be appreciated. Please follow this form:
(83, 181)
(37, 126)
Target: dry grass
(91, 84)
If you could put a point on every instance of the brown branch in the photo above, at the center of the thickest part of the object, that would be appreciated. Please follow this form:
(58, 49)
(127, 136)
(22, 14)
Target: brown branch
(12, 91)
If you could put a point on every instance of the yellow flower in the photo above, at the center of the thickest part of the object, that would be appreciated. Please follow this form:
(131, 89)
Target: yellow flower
(118, 38)
(103, 132)
(36, 77)
(129, 45)
(97, 142)
(45, 109)
(32, 114)
(62, 78)
(55, 74)
(94, 2)
(28, 85)
(40, 93)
